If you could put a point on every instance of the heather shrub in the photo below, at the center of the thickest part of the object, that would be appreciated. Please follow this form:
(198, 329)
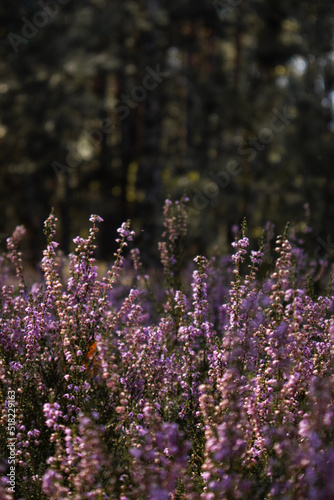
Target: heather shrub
(210, 382)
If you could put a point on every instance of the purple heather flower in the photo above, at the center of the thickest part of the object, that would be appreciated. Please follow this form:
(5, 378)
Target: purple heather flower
(125, 232)
(243, 364)
(95, 218)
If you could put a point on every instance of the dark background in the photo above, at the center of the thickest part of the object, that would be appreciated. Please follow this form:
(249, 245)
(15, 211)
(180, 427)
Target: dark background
(229, 69)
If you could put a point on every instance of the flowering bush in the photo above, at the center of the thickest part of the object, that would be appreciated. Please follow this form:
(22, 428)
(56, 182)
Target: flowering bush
(127, 387)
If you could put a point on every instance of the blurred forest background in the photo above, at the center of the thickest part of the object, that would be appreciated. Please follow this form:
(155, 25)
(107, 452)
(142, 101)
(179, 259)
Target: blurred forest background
(110, 106)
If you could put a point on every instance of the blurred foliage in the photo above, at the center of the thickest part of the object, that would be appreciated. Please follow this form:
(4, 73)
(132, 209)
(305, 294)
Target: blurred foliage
(244, 81)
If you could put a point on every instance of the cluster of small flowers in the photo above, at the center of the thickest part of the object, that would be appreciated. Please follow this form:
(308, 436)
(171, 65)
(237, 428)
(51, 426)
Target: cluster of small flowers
(216, 386)
(175, 224)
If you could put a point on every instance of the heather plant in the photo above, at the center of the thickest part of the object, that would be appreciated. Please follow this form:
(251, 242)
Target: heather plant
(160, 384)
